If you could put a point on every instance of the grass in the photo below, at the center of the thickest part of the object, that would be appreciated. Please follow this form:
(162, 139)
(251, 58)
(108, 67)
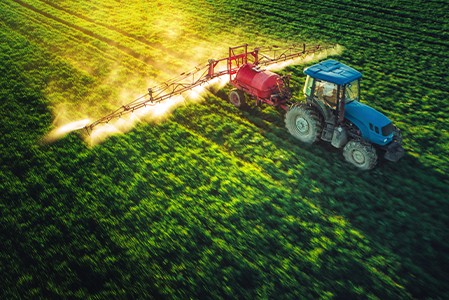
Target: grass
(215, 202)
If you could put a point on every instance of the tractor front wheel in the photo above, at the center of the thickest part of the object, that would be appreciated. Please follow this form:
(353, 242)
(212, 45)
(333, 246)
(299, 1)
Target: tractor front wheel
(304, 123)
(237, 98)
(363, 156)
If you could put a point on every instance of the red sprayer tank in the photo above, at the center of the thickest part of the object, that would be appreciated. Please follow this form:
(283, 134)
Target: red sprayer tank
(256, 82)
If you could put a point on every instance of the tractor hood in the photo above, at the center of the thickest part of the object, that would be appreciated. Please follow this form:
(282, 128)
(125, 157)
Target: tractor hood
(369, 121)
(362, 112)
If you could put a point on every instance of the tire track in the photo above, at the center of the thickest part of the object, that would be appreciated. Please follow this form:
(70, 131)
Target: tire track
(142, 40)
(70, 36)
(87, 32)
(172, 56)
(375, 28)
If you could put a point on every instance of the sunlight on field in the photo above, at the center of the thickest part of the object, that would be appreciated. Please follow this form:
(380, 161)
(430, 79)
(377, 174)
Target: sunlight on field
(115, 52)
(151, 113)
(63, 130)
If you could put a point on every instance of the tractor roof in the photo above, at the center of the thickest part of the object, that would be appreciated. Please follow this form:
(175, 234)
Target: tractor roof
(333, 71)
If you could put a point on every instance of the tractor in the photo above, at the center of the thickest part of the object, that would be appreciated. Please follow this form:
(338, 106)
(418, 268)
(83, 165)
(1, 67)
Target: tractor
(332, 112)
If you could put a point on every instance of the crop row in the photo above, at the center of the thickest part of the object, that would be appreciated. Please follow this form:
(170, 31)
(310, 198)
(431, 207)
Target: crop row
(295, 168)
(214, 202)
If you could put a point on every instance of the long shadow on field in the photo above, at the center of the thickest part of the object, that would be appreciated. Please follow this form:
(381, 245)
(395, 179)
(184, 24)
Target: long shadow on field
(401, 208)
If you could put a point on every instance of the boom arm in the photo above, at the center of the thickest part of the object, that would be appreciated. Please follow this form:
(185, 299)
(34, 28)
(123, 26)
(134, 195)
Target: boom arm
(203, 74)
(283, 54)
(176, 86)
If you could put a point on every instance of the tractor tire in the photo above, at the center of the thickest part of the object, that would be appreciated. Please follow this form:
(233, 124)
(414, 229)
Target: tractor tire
(363, 156)
(304, 123)
(237, 98)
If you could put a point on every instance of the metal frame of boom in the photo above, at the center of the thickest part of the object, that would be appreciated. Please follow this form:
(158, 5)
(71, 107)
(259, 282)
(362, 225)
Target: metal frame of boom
(238, 56)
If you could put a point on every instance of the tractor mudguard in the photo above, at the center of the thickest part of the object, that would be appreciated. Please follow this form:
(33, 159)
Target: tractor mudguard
(340, 137)
(394, 152)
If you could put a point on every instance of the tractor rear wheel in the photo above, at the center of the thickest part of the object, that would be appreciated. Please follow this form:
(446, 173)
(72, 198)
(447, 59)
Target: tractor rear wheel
(237, 97)
(361, 155)
(304, 123)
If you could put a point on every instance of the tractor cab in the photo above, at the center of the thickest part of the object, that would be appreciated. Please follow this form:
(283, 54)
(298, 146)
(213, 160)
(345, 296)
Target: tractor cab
(334, 89)
(330, 85)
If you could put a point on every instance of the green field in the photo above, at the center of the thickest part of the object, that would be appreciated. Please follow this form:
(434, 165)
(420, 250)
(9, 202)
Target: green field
(215, 202)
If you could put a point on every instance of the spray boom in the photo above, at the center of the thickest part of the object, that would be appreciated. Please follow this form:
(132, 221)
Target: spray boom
(238, 56)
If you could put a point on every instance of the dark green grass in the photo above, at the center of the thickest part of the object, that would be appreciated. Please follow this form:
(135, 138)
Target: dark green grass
(220, 203)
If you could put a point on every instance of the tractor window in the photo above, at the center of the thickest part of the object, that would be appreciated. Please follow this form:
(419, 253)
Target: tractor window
(352, 91)
(326, 91)
(308, 85)
(387, 130)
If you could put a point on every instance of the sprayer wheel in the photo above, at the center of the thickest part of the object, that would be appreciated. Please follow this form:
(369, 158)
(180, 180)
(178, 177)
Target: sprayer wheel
(237, 98)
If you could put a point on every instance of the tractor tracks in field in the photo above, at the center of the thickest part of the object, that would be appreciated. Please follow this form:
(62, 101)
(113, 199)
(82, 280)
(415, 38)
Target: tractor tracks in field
(109, 27)
(87, 32)
(386, 22)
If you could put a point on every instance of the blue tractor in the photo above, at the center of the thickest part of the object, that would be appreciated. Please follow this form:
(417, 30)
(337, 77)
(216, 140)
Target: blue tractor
(332, 112)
